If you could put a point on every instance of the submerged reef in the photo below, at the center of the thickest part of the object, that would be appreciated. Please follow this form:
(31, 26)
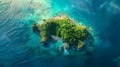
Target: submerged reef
(73, 35)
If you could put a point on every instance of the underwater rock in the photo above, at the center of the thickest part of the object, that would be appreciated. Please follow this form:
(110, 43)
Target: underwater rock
(62, 27)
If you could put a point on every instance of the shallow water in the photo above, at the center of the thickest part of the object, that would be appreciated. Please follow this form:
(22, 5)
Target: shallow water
(16, 36)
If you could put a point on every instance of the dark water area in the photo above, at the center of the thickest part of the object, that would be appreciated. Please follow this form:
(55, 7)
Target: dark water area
(17, 38)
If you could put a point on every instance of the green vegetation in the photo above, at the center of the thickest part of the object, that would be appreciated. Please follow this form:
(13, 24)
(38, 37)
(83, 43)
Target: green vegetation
(63, 27)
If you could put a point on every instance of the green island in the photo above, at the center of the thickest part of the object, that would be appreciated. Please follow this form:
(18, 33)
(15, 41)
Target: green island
(71, 33)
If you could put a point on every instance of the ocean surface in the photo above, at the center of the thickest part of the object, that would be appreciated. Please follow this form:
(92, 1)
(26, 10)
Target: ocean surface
(19, 46)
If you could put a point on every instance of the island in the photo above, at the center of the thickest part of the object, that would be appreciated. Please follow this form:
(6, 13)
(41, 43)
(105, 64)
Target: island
(72, 34)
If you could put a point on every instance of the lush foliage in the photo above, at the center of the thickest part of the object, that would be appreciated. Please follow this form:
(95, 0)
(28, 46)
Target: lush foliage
(63, 27)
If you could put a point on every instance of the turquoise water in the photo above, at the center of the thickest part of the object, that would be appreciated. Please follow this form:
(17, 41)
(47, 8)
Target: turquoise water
(20, 47)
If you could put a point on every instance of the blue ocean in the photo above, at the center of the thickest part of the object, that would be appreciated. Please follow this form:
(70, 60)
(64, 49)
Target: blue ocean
(20, 46)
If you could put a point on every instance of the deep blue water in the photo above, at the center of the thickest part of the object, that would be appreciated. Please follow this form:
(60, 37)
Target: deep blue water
(17, 38)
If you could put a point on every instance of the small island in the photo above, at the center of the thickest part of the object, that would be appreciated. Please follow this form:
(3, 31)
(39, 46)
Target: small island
(63, 27)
